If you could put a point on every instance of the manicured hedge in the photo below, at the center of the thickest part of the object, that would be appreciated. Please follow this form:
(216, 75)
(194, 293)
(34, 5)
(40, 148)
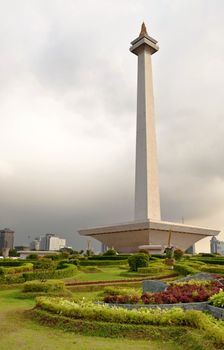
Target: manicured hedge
(111, 290)
(185, 269)
(101, 262)
(9, 263)
(213, 269)
(109, 257)
(185, 337)
(12, 279)
(16, 269)
(217, 299)
(47, 286)
(68, 271)
(215, 261)
(92, 312)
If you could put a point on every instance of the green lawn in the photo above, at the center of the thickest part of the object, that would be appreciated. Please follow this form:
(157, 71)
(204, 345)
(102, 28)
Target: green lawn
(110, 273)
(18, 332)
(105, 274)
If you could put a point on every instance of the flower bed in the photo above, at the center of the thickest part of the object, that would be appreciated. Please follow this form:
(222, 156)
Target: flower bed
(190, 292)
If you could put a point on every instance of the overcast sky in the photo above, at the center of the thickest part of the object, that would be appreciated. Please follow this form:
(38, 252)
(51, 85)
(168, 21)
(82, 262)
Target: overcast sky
(68, 113)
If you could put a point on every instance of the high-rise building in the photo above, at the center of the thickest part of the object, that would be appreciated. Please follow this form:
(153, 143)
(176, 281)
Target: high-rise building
(217, 247)
(51, 242)
(6, 239)
(35, 244)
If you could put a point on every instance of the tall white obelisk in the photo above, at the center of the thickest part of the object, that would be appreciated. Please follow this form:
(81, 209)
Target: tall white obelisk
(147, 198)
(147, 230)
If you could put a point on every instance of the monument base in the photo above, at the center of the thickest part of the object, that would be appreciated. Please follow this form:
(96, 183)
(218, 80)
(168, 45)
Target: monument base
(130, 237)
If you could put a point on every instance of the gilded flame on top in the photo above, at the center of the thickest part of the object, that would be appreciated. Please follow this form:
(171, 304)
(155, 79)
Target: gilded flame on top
(143, 30)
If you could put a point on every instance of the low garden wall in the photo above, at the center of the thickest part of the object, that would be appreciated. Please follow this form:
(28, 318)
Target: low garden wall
(217, 312)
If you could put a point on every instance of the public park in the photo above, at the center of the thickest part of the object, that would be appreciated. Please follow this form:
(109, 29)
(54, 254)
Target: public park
(140, 301)
(112, 142)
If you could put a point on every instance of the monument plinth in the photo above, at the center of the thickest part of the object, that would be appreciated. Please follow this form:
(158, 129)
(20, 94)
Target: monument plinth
(147, 230)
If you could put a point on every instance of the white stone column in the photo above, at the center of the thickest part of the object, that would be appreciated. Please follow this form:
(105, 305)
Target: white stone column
(147, 198)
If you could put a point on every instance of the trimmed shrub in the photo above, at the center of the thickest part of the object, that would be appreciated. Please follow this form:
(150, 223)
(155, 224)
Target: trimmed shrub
(217, 300)
(185, 270)
(9, 262)
(32, 257)
(110, 252)
(212, 261)
(119, 291)
(68, 271)
(16, 269)
(178, 254)
(47, 286)
(101, 262)
(169, 252)
(138, 260)
(158, 256)
(44, 264)
(92, 312)
(11, 279)
(213, 269)
(122, 299)
(110, 257)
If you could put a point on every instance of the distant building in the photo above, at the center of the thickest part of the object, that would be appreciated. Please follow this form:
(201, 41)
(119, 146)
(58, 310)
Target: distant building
(217, 247)
(6, 239)
(35, 244)
(51, 242)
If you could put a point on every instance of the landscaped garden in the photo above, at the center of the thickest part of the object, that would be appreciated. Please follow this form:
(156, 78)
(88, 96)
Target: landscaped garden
(87, 300)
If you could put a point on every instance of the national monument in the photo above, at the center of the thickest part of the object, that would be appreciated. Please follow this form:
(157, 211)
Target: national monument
(147, 230)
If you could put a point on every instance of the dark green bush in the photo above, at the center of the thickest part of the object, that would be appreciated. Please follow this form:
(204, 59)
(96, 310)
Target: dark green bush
(178, 254)
(10, 262)
(138, 260)
(158, 256)
(32, 257)
(74, 261)
(212, 261)
(44, 264)
(207, 254)
(110, 252)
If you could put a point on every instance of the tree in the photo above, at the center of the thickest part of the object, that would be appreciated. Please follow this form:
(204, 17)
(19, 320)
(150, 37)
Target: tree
(138, 260)
(110, 252)
(178, 253)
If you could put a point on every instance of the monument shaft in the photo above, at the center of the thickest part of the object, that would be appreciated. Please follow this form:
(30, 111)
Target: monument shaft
(147, 198)
(147, 231)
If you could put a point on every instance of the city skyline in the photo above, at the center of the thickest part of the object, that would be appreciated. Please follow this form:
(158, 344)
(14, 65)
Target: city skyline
(70, 160)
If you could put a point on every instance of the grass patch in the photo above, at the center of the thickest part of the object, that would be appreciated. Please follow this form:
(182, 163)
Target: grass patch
(17, 331)
(171, 338)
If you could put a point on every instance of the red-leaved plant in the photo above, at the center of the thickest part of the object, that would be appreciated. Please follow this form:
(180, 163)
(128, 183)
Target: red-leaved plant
(187, 293)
